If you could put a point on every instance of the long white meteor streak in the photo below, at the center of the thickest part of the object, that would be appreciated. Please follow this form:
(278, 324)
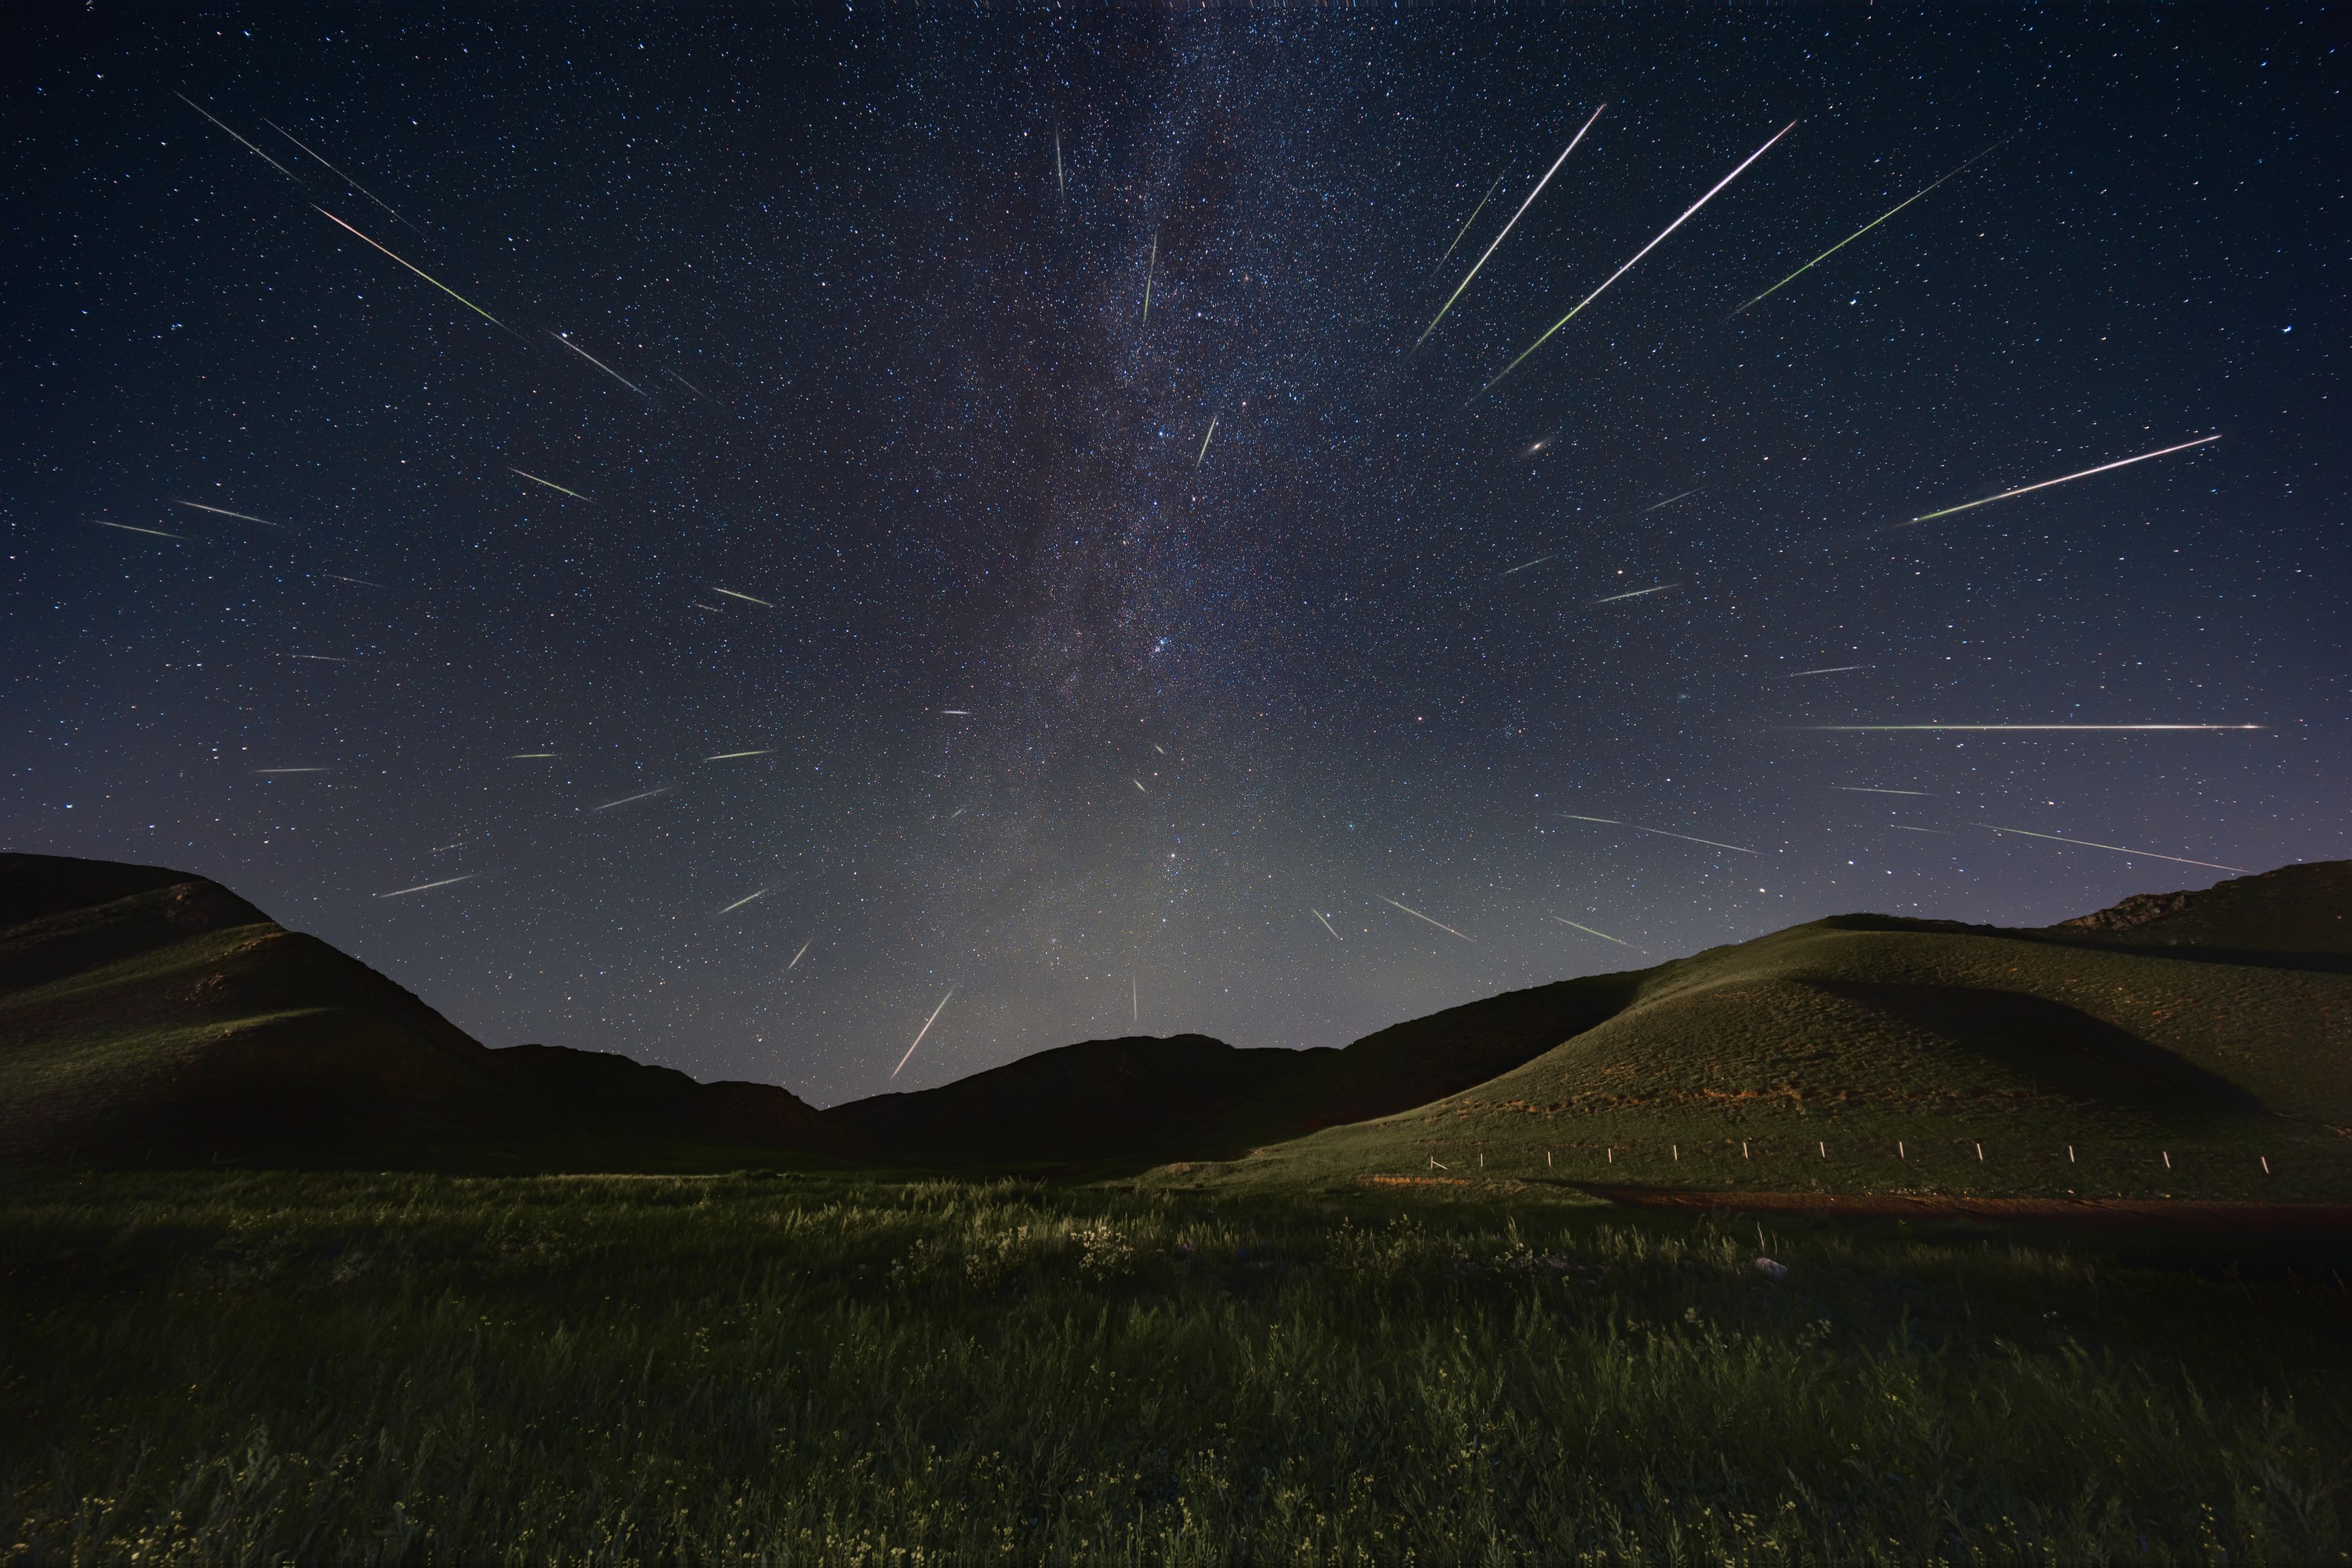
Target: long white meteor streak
(2060, 479)
(1590, 932)
(1670, 501)
(413, 267)
(1637, 593)
(1687, 838)
(1609, 820)
(731, 756)
(921, 1032)
(1867, 789)
(1419, 916)
(1825, 669)
(795, 964)
(1525, 564)
(271, 772)
(632, 799)
(1524, 205)
(1204, 445)
(551, 484)
(745, 597)
(224, 511)
(1646, 251)
(599, 364)
(127, 527)
(2118, 848)
(740, 903)
(1978, 729)
(1327, 925)
(428, 886)
(249, 146)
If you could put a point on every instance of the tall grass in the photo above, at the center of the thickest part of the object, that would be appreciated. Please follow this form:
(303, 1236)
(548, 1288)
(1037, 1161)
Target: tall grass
(248, 1368)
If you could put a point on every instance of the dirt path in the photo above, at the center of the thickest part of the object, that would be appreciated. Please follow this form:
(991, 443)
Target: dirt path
(2191, 1214)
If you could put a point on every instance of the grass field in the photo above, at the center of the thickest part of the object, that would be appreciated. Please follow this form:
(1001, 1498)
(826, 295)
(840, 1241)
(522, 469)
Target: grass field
(245, 1367)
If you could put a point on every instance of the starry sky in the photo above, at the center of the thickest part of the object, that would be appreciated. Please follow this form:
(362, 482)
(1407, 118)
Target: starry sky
(773, 570)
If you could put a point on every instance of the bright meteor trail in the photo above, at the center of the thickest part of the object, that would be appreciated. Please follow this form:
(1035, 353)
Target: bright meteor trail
(551, 484)
(1590, 932)
(2147, 854)
(224, 511)
(1204, 445)
(2060, 479)
(599, 364)
(249, 146)
(428, 886)
(921, 1032)
(1419, 916)
(418, 270)
(745, 597)
(1857, 234)
(1327, 925)
(1646, 251)
(1524, 205)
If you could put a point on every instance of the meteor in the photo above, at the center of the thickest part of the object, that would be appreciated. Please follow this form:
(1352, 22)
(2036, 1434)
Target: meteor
(1138, 785)
(224, 511)
(1637, 593)
(1866, 789)
(599, 364)
(1134, 1000)
(428, 886)
(1061, 181)
(2120, 849)
(1659, 505)
(1980, 729)
(740, 903)
(241, 141)
(730, 756)
(335, 577)
(551, 484)
(1525, 564)
(1524, 205)
(319, 657)
(1601, 934)
(795, 964)
(684, 383)
(1825, 669)
(745, 597)
(341, 176)
(2062, 478)
(958, 713)
(1687, 838)
(1646, 251)
(1904, 827)
(1149, 271)
(631, 799)
(1857, 234)
(419, 271)
(921, 1032)
(1471, 219)
(1318, 914)
(530, 756)
(1609, 820)
(1419, 916)
(271, 772)
(1204, 445)
(129, 529)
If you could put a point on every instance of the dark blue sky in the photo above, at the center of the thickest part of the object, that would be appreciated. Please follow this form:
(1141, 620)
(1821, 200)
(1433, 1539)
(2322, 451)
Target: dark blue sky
(894, 486)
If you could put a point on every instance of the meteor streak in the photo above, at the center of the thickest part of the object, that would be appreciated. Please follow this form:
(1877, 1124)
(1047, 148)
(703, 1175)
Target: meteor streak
(1866, 789)
(340, 175)
(1149, 271)
(269, 773)
(1637, 593)
(241, 141)
(919, 1033)
(2062, 478)
(1419, 916)
(335, 577)
(730, 756)
(1646, 251)
(958, 713)
(1318, 914)
(1524, 205)
(551, 484)
(1977, 728)
(740, 903)
(2120, 849)
(1857, 234)
(684, 383)
(1525, 564)
(631, 799)
(530, 756)
(1061, 183)
(129, 529)
(1905, 827)
(599, 364)
(745, 597)
(1609, 820)
(1658, 506)
(1204, 445)
(1471, 219)
(1138, 785)
(1825, 669)
(795, 964)
(224, 511)
(1601, 934)
(1687, 838)
(428, 886)
(419, 271)
(319, 657)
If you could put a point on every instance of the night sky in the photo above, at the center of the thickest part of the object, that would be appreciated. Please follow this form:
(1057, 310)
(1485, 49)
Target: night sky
(938, 651)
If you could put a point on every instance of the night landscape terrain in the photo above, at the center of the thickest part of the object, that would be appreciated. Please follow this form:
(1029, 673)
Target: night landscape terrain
(1423, 785)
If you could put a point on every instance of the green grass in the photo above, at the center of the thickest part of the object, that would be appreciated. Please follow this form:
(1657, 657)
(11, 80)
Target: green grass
(245, 1367)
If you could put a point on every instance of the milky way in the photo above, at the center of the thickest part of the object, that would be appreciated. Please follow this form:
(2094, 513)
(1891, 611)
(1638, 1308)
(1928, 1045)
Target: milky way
(743, 565)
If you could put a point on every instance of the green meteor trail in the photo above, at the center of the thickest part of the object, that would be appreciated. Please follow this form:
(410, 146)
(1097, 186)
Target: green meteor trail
(1688, 214)
(2062, 478)
(1865, 228)
(1471, 219)
(551, 484)
(1524, 205)
(419, 271)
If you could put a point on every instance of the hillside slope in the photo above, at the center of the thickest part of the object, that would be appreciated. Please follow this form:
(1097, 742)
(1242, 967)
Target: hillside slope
(2169, 1046)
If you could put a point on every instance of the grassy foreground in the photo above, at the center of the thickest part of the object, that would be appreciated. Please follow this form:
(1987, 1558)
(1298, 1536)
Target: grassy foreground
(247, 1367)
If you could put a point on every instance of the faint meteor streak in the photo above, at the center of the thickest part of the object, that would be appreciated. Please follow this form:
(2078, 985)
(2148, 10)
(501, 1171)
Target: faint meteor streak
(1825, 669)
(1609, 820)
(127, 527)
(224, 511)
(1419, 916)
(731, 756)
(745, 597)
(1661, 505)
(684, 383)
(1061, 181)
(1865, 228)
(1646, 251)
(958, 712)
(740, 903)
(551, 484)
(1637, 593)
(795, 964)
(1978, 729)
(2060, 479)
(1134, 1000)
(1866, 789)
(418, 270)
(2118, 848)
(1687, 838)
(631, 799)
(338, 577)
(921, 1032)
(1204, 445)
(1466, 222)
(1318, 914)
(1150, 270)
(599, 364)
(1498, 239)
(530, 756)
(321, 657)
(241, 141)
(1590, 932)
(1525, 564)
(428, 886)
(272, 773)
(341, 176)
(1907, 827)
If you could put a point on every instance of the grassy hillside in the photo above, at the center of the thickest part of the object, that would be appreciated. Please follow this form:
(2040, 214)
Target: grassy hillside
(2170, 1048)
